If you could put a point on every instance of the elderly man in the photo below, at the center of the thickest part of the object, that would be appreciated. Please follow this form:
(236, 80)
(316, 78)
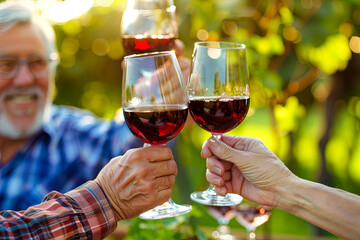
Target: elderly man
(44, 147)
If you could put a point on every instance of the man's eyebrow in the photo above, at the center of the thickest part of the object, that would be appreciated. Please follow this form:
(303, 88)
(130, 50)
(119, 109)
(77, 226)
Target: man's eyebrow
(5, 56)
(10, 56)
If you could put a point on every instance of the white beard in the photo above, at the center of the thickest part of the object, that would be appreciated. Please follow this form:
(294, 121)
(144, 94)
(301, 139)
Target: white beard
(7, 129)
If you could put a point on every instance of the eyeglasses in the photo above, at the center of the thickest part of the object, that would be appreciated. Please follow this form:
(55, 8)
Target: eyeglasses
(9, 66)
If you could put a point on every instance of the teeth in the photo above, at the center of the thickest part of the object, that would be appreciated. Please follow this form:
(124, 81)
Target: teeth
(22, 98)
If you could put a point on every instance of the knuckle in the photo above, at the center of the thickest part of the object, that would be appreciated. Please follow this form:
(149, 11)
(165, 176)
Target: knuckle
(172, 167)
(208, 175)
(133, 155)
(168, 194)
(168, 152)
(227, 152)
(171, 180)
(254, 141)
(146, 188)
(208, 163)
(141, 173)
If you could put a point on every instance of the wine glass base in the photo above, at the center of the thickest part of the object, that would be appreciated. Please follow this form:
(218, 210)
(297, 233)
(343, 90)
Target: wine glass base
(207, 198)
(217, 235)
(166, 210)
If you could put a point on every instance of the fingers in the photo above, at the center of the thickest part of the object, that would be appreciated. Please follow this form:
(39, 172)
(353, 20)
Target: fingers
(217, 180)
(248, 144)
(179, 48)
(205, 151)
(183, 61)
(185, 64)
(165, 182)
(173, 92)
(222, 191)
(157, 153)
(163, 196)
(164, 168)
(238, 141)
(214, 146)
(214, 179)
(139, 180)
(215, 166)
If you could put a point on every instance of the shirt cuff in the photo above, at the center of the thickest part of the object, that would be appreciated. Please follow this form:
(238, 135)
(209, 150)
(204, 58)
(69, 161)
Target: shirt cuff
(96, 207)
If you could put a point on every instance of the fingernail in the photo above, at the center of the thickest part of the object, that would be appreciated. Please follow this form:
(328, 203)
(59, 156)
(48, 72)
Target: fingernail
(222, 192)
(214, 141)
(216, 181)
(217, 170)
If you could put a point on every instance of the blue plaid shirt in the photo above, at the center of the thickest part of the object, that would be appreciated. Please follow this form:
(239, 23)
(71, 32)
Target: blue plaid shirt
(71, 149)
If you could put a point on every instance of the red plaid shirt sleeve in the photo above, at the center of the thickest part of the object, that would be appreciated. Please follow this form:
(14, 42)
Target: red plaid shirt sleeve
(83, 213)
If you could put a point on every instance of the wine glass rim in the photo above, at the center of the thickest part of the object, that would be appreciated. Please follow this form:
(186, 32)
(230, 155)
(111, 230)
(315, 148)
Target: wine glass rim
(150, 54)
(229, 45)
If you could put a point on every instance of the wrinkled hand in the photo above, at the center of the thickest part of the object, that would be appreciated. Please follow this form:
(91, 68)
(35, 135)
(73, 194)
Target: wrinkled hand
(183, 61)
(245, 166)
(139, 180)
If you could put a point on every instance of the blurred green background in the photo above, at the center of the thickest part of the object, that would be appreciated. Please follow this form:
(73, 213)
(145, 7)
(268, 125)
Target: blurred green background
(304, 66)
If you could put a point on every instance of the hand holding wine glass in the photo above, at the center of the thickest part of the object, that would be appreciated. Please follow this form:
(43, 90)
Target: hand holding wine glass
(261, 177)
(218, 98)
(245, 165)
(148, 26)
(155, 107)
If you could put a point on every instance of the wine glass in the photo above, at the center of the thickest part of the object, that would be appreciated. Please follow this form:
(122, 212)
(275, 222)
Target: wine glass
(148, 26)
(219, 98)
(250, 216)
(223, 215)
(155, 108)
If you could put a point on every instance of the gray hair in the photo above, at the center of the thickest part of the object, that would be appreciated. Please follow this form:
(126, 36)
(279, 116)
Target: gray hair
(13, 13)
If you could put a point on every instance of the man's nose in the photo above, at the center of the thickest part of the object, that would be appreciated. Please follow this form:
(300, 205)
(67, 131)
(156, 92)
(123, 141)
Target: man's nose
(24, 76)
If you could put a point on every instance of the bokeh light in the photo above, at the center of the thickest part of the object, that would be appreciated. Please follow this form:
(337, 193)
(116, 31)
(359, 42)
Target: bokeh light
(355, 44)
(63, 11)
(115, 51)
(229, 27)
(100, 46)
(307, 4)
(70, 45)
(202, 35)
(290, 33)
(103, 3)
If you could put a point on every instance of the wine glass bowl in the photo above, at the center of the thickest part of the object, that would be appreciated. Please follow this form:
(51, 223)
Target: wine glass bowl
(223, 215)
(250, 216)
(155, 107)
(148, 26)
(219, 98)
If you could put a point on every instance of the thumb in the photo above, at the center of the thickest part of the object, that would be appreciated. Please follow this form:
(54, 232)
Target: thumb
(221, 150)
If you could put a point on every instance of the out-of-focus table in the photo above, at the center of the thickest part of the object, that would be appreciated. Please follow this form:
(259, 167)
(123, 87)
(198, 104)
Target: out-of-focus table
(122, 229)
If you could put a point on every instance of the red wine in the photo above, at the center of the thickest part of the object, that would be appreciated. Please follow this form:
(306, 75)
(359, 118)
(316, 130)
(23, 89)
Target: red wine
(252, 216)
(219, 212)
(132, 45)
(156, 124)
(219, 115)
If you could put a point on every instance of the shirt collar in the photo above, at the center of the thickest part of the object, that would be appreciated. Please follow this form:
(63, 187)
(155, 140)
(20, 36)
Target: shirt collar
(49, 123)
